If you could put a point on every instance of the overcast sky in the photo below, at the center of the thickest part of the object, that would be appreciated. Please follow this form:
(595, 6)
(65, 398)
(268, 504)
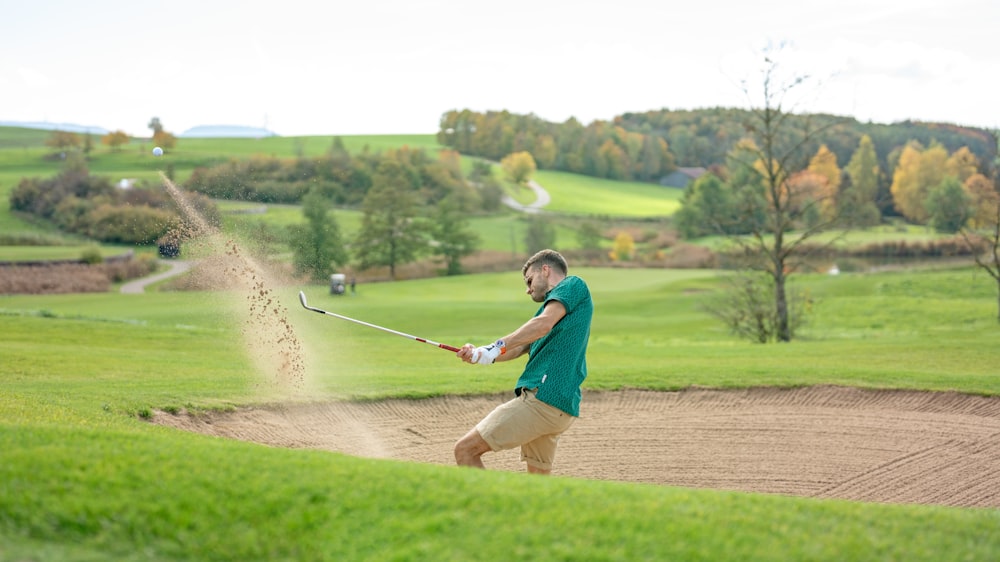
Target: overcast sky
(394, 66)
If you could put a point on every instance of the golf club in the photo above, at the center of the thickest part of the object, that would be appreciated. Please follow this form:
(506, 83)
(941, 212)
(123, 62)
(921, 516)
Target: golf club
(302, 298)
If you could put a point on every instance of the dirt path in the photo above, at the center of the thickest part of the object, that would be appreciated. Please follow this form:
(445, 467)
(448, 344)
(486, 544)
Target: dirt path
(824, 442)
(542, 200)
(139, 285)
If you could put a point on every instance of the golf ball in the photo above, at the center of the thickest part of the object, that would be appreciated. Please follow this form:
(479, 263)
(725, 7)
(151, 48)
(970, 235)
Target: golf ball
(157, 151)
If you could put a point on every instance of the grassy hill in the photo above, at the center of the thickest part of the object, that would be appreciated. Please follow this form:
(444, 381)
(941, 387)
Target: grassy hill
(23, 154)
(83, 476)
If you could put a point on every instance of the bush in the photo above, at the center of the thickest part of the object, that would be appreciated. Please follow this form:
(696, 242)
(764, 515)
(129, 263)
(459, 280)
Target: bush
(92, 255)
(130, 225)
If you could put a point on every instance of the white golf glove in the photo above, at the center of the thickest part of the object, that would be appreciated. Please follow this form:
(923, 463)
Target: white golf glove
(487, 354)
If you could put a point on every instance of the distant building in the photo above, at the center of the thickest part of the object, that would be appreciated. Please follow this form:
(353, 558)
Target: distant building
(681, 177)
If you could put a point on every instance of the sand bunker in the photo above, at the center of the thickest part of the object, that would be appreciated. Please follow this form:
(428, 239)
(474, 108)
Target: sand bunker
(823, 442)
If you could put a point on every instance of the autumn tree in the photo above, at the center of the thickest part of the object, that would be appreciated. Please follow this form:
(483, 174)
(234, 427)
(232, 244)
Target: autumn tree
(63, 140)
(545, 152)
(858, 202)
(115, 140)
(623, 248)
(161, 137)
(518, 167)
(391, 233)
(962, 164)
(824, 165)
(984, 199)
(917, 172)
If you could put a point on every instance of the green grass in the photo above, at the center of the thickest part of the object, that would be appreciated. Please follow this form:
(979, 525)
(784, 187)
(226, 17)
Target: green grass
(30, 253)
(83, 477)
(582, 195)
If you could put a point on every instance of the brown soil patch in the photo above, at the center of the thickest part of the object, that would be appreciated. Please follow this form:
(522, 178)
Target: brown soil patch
(823, 442)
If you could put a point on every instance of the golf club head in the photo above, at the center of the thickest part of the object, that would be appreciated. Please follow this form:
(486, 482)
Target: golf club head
(302, 299)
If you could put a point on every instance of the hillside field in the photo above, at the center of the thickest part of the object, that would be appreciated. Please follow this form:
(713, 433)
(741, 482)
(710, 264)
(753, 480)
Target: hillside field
(85, 474)
(86, 477)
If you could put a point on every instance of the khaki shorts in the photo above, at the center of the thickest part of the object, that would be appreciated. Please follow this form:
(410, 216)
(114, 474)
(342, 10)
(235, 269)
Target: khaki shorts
(528, 422)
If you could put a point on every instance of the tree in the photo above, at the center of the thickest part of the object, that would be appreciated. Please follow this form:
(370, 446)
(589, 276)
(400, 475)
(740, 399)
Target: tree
(317, 246)
(390, 233)
(777, 223)
(161, 137)
(519, 167)
(63, 140)
(985, 226)
(962, 164)
(624, 247)
(857, 202)
(949, 207)
(917, 173)
(545, 151)
(539, 235)
(746, 307)
(589, 237)
(164, 139)
(984, 199)
(115, 140)
(707, 208)
(990, 236)
(824, 165)
(453, 239)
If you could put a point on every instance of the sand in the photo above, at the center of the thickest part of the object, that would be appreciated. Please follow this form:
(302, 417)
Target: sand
(820, 442)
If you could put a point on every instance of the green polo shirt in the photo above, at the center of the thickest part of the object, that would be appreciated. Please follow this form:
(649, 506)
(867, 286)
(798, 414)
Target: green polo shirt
(557, 362)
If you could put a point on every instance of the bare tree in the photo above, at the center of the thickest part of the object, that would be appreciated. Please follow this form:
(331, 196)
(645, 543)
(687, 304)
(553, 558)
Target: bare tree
(988, 238)
(785, 211)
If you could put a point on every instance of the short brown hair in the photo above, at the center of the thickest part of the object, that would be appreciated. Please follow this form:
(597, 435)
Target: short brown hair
(550, 258)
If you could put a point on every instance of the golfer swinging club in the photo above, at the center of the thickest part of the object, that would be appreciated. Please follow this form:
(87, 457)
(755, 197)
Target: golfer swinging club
(547, 396)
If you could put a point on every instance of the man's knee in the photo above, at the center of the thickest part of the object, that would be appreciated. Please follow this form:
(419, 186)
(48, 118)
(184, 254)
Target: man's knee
(471, 446)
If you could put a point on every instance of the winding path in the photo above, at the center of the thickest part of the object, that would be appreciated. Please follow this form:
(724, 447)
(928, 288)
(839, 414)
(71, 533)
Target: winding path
(542, 200)
(138, 286)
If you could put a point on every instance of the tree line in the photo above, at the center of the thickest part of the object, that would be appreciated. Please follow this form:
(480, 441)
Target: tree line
(704, 137)
(600, 149)
(928, 186)
(646, 146)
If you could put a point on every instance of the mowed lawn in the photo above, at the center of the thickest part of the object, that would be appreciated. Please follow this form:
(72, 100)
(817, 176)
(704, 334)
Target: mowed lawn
(84, 477)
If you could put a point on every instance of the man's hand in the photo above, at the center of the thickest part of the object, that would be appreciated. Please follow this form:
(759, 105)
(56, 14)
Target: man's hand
(484, 355)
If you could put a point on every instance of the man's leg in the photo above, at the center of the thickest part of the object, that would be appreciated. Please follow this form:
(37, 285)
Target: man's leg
(535, 470)
(470, 449)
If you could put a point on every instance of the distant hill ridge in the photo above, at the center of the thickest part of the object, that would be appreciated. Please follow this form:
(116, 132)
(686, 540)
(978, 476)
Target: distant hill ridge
(201, 131)
(68, 127)
(227, 131)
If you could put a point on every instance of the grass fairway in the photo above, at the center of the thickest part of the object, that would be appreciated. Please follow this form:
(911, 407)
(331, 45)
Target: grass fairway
(83, 477)
(583, 195)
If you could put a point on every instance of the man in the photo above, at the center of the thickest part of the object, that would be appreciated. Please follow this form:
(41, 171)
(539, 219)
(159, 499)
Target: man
(547, 395)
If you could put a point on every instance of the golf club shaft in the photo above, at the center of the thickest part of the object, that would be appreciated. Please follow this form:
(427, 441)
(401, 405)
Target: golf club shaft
(302, 299)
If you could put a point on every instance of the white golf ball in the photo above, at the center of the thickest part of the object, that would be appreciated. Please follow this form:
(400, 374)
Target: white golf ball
(157, 151)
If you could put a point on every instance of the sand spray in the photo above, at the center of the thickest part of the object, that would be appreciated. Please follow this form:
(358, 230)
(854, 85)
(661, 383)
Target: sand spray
(268, 334)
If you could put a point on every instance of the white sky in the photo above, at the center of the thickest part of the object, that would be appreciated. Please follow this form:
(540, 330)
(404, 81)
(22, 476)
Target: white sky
(340, 67)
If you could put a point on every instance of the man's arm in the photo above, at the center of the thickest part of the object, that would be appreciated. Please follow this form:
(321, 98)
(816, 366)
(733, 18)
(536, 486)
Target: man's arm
(519, 341)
